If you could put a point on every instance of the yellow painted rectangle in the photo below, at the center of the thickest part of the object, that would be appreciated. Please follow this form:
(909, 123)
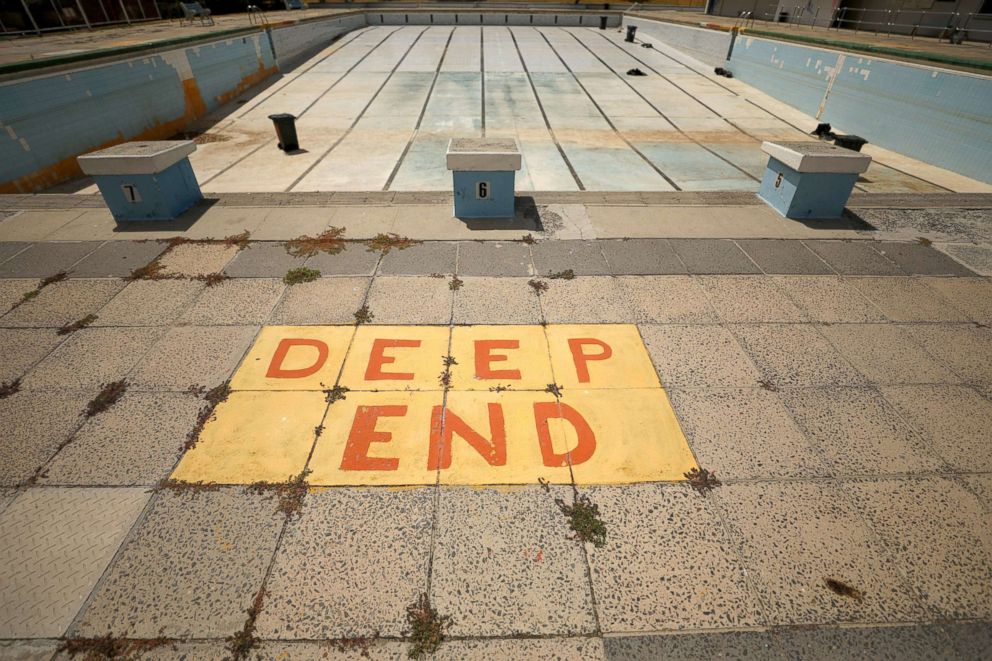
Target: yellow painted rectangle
(311, 358)
(255, 436)
(600, 356)
(513, 357)
(396, 358)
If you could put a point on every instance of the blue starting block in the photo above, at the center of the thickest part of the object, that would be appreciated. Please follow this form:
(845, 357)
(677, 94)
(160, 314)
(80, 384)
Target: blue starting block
(484, 174)
(810, 179)
(145, 180)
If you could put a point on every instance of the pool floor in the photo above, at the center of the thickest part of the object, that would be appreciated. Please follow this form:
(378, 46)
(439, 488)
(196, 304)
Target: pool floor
(377, 108)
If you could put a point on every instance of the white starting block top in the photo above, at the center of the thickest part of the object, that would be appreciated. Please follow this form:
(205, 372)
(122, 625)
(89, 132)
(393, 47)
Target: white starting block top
(136, 157)
(481, 155)
(817, 157)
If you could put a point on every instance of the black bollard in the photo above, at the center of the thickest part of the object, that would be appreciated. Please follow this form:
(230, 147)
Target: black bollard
(286, 131)
(631, 29)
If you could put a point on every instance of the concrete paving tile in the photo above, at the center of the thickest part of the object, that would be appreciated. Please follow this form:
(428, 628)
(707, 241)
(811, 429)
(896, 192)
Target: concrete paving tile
(981, 486)
(10, 248)
(886, 354)
(795, 355)
(28, 650)
(135, 442)
(420, 259)
(350, 565)
(784, 257)
(954, 419)
(7, 497)
(749, 299)
(44, 259)
(642, 257)
(586, 299)
(72, 364)
(54, 545)
(354, 259)
(23, 347)
(36, 425)
(494, 258)
(905, 299)
(504, 564)
(917, 259)
(583, 257)
(794, 536)
(263, 260)
(218, 222)
(234, 302)
(35, 225)
(63, 303)
(535, 649)
(635, 592)
(291, 221)
(923, 642)
(965, 349)
(713, 256)
(971, 640)
(149, 303)
(323, 301)
(760, 645)
(187, 651)
(666, 299)
(379, 650)
(976, 257)
(972, 296)
(117, 259)
(496, 301)
(938, 535)
(746, 433)
(191, 569)
(698, 356)
(854, 258)
(857, 432)
(192, 356)
(193, 259)
(406, 300)
(828, 299)
(12, 290)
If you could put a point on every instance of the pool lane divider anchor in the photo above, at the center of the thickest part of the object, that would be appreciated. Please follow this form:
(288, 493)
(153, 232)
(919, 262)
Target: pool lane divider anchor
(483, 176)
(144, 181)
(810, 179)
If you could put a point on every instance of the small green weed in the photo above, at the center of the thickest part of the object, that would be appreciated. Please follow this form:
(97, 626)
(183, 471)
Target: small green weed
(77, 325)
(107, 397)
(426, 627)
(300, 275)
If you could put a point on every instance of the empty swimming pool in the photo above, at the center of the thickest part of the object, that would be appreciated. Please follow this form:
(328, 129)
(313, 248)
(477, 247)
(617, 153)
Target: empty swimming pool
(377, 108)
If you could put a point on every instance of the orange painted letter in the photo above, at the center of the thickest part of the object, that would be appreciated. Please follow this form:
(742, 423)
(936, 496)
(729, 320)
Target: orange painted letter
(493, 451)
(275, 367)
(544, 411)
(363, 434)
(580, 358)
(377, 359)
(484, 357)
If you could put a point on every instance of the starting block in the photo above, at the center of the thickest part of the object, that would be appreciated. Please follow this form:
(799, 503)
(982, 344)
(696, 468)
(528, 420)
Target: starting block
(810, 179)
(484, 173)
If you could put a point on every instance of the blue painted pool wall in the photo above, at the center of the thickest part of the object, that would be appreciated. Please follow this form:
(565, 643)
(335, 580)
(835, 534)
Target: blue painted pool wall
(938, 116)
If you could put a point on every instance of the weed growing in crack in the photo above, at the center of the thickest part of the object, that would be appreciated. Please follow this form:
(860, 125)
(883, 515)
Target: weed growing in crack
(329, 241)
(456, 283)
(445, 378)
(150, 271)
(843, 589)
(554, 389)
(33, 294)
(567, 274)
(318, 431)
(426, 627)
(300, 275)
(290, 493)
(360, 644)
(77, 325)
(212, 279)
(109, 647)
(437, 276)
(499, 388)
(8, 388)
(529, 239)
(448, 361)
(702, 480)
(539, 286)
(335, 394)
(385, 242)
(180, 486)
(767, 385)
(238, 240)
(107, 397)
(924, 241)
(52, 279)
(241, 644)
(214, 396)
(583, 519)
(363, 315)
